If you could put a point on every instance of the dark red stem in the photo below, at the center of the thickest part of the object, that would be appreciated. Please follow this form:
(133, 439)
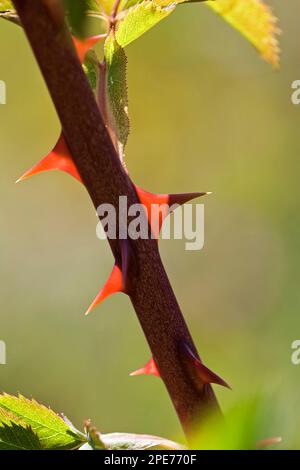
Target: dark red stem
(105, 179)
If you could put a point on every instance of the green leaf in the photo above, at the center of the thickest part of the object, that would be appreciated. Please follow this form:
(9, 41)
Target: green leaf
(52, 431)
(6, 5)
(131, 3)
(254, 20)
(76, 14)
(116, 89)
(139, 19)
(106, 6)
(15, 434)
(162, 3)
(91, 69)
(7, 12)
(126, 441)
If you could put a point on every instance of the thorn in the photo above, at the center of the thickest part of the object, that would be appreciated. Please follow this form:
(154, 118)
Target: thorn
(184, 197)
(149, 369)
(119, 279)
(82, 46)
(268, 442)
(113, 285)
(199, 370)
(157, 215)
(58, 159)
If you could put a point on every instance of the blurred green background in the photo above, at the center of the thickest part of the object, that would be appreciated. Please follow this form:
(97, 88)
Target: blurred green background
(206, 114)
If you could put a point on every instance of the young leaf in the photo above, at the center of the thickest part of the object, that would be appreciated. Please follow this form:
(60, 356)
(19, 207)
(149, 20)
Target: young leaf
(15, 434)
(116, 89)
(52, 431)
(91, 69)
(254, 20)
(126, 441)
(139, 19)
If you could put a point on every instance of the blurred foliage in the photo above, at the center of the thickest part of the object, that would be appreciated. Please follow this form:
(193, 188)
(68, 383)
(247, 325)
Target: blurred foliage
(246, 426)
(205, 115)
(76, 14)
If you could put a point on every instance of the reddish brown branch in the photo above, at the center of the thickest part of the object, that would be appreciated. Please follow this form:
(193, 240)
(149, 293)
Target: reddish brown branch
(105, 179)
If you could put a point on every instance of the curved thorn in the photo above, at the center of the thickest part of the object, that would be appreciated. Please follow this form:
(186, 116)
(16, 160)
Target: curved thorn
(149, 369)
(184, 197)
(262, 444)
(199, 371)
(58, 159)
(113, 285)
(158, 206)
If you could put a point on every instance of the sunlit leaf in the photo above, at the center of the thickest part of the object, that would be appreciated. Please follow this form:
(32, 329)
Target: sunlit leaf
(117, 91)
(7, 12)
(6, 5)
(254, 20)
(52, 431)
(106, 6)
(15, 434)
(139, 19)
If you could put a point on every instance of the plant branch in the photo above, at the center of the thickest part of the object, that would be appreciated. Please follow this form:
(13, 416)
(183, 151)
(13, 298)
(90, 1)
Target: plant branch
(105, 179)
(115, 8)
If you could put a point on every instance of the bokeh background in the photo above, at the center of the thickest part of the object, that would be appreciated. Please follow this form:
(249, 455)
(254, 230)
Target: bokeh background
(206, 114)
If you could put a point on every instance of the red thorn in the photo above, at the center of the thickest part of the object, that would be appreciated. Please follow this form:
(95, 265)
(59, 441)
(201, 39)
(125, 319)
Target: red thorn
(199, 370)
(118, 280)
(82, 46)
(149, 369)
(156, 217)
(268, 442)
(58, 159)
(113, 285)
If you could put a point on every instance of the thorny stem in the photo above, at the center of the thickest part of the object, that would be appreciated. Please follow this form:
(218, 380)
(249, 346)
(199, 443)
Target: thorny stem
(105, 179)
